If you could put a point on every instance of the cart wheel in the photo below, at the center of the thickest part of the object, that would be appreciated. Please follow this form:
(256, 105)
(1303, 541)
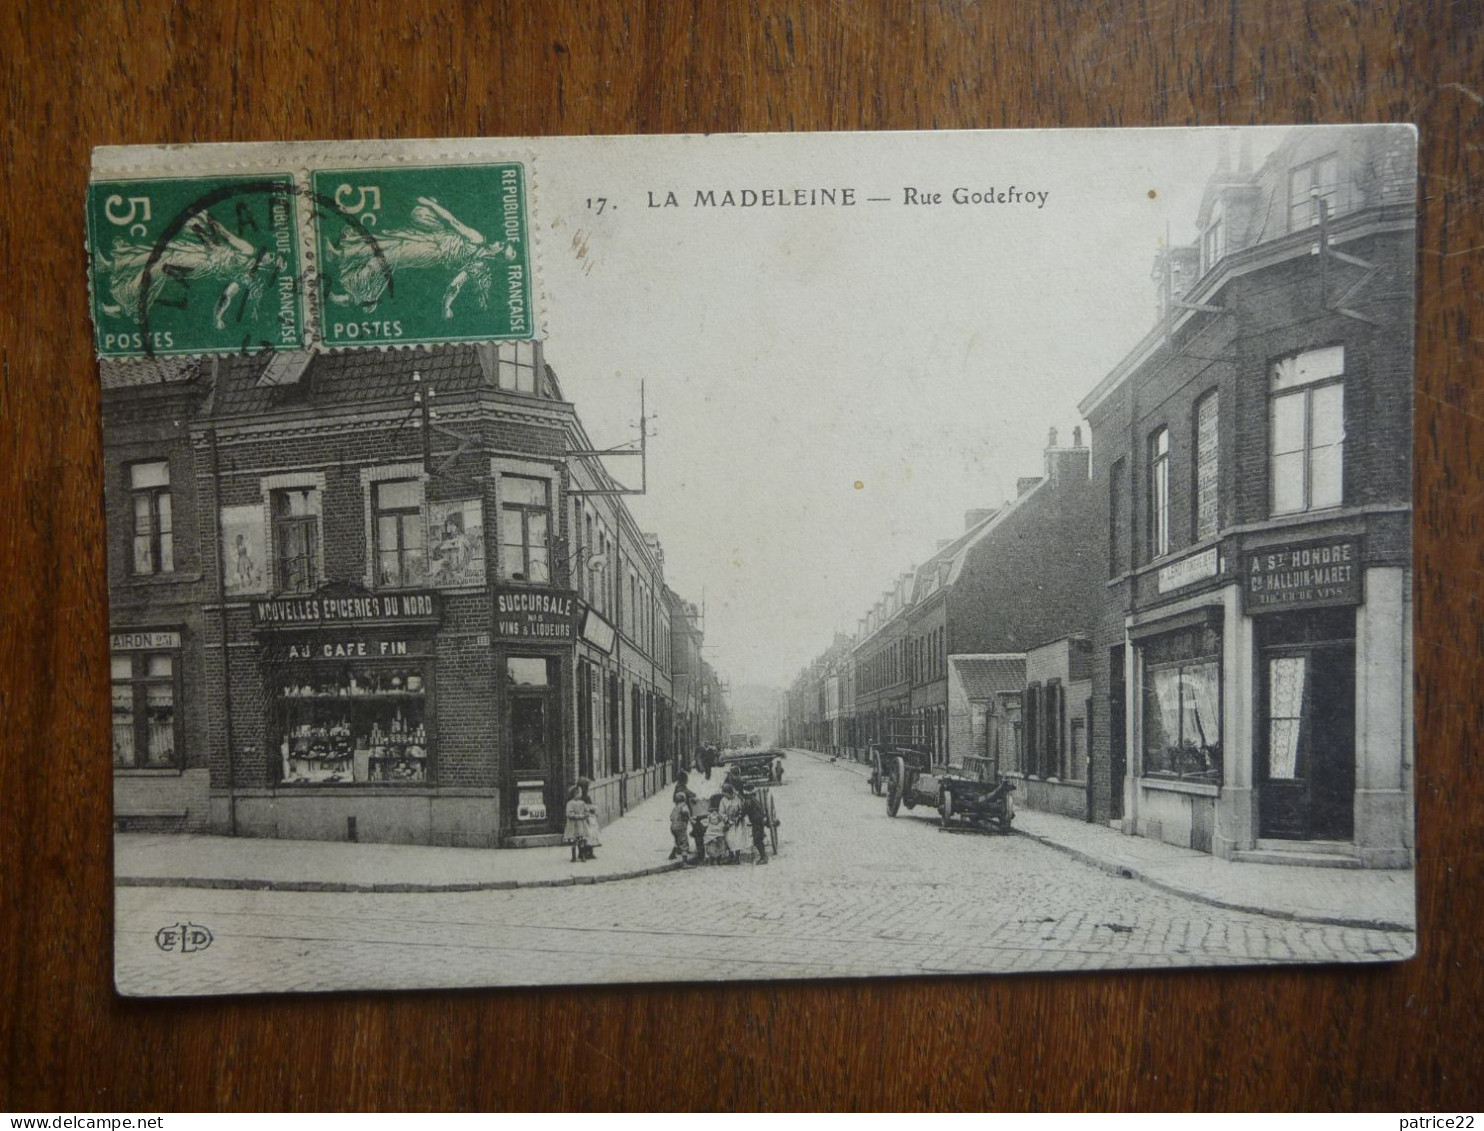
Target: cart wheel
(897, 787)
(773, 826)
(945, 807)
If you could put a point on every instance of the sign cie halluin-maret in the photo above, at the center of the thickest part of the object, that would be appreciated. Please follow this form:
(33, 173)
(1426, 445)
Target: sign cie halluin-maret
(320, 611)
(401, 257)
(522, 614)
(1306, 575)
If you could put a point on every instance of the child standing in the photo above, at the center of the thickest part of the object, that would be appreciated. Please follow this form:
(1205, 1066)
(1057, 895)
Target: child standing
(716, 832)
(594, 835)
(680, 823)
(757, 818)
(731, 813)
(576, 832)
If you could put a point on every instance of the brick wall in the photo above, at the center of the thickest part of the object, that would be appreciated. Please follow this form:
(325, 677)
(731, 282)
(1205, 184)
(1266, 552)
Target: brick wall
(1035, 576)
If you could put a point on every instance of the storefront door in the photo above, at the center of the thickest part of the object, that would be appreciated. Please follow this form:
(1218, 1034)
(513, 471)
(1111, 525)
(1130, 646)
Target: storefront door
(1308, 771)
(534, 779)
(1117, 733)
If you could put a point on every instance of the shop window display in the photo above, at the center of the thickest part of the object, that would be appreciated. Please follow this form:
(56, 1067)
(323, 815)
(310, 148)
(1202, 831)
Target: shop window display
(1182, 706)
(345, 724)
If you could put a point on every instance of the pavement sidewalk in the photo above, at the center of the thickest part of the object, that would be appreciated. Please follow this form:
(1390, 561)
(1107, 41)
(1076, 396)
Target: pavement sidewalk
(637, 844)
(1379, 899)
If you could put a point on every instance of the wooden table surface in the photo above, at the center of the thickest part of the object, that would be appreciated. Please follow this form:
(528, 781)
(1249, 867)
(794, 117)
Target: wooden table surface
(1399, 1037)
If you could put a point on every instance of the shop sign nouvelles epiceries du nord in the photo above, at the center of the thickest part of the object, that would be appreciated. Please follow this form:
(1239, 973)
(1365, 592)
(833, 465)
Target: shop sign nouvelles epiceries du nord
(1307, 575)
(336, 610)
(523, 614)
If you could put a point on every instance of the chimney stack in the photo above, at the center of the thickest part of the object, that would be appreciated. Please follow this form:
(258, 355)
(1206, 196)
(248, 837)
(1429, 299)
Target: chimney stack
(1068, 463)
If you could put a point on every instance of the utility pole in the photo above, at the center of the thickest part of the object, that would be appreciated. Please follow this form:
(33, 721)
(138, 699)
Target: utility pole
(625, 449)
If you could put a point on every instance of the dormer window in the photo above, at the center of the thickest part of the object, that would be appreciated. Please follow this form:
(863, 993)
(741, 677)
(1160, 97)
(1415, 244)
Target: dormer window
(517, 366)
(1213, 239)
(1310, 183)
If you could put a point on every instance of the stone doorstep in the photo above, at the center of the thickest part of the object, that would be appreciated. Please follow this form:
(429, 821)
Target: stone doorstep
(1297, 859)
(532, 840)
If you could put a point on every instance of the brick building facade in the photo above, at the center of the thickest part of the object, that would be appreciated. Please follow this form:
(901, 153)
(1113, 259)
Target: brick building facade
(1252, 655)
(159, 582)
(376, 596)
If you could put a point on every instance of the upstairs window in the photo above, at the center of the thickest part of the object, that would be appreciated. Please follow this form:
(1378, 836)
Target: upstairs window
(1159, 493)
(602, 572)
(1307, 431)
(525, 529)
(1206, 467)
(1117, 519)
(153, 542)
(587, 564)
(295, 539)
(401, 556)
(1310, 183)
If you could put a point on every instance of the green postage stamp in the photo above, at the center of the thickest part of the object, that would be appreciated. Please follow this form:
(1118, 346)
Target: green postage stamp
(422, 255)
(195, 265)
(329, 259)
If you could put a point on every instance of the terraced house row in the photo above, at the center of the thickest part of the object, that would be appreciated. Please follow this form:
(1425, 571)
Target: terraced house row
(382, 596)
(1199, 627)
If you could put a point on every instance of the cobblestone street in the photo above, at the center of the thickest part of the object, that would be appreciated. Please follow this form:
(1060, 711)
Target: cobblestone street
(852, 892)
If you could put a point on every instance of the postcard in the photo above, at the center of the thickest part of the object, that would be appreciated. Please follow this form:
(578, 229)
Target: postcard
(670, 559)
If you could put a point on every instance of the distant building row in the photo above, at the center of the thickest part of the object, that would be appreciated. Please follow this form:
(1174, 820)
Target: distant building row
(1198, 628)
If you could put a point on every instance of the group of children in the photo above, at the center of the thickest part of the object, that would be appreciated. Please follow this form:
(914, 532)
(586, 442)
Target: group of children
(717, 826)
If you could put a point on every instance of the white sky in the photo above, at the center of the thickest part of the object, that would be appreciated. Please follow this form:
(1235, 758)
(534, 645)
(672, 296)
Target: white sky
(789, 352)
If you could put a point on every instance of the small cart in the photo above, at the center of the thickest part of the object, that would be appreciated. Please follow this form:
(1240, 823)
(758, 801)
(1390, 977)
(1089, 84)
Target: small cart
(761, 770)
(970, 795)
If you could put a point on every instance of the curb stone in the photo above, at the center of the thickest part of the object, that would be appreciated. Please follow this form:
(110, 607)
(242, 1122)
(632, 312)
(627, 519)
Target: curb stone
(1126, 872)
(247, 884)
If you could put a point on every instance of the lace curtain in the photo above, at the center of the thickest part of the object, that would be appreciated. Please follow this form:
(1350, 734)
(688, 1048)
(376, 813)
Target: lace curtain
(1167, 695)
(1202, 709)
(1285, 708)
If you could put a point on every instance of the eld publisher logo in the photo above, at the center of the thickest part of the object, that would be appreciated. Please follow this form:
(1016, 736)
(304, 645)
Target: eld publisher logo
(183, 938)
